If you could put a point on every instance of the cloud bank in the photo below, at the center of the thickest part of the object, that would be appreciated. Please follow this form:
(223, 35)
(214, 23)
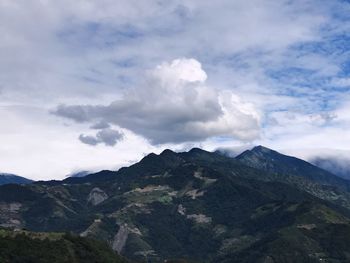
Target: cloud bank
(288, 58)
(336, 164)
(174, 105)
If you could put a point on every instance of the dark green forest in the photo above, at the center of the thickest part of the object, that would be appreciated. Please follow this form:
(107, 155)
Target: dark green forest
(26, 247)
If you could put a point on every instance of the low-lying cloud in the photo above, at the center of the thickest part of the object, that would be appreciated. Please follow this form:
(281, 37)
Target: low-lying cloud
(173, 105)
(338, 165)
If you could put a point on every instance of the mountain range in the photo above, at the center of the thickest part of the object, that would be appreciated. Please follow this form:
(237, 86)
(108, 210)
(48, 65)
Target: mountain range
(6, 178)
(196, 206)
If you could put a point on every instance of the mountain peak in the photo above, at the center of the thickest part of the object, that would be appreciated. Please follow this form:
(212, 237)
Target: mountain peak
(196, 150)
(262, 149)
(170, 156)
(6, 178)
(7, 175)
(150, 156)
(195, 190)
(274, 162)
(79, 174)
(255, 152)
(167, 152)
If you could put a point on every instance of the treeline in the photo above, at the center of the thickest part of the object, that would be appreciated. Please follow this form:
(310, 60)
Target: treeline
(22, 248)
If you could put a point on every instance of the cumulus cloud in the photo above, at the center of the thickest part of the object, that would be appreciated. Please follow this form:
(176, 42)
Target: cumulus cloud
(107, 136)
(100, 125)
(174, 105)
(284, 56)
(87, 139)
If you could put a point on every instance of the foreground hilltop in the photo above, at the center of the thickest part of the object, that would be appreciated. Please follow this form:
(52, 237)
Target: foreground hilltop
(261, 206)
(25, 246)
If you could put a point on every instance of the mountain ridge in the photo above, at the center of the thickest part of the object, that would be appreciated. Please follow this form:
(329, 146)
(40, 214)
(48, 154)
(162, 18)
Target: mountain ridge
(273, 161)
(6, 178)
(195, 205)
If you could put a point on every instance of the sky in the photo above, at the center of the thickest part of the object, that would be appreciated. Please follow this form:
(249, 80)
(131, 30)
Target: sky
(91, 85)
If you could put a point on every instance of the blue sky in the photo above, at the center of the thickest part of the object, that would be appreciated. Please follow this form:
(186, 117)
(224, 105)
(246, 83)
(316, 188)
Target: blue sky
(87, 85)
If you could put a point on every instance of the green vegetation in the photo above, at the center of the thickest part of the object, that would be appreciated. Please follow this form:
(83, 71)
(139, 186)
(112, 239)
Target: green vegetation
(26, 247)
(184, 207)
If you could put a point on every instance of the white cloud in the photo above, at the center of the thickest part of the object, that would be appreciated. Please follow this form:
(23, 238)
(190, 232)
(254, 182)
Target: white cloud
(173, 106)
(337, 162)
(341, 82)
(311, 135)
(38, 145)
(281, 56)
(77, 50)
(179, 70)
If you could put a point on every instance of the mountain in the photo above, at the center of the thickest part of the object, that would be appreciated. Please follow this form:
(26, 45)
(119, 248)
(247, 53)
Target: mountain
(13, 179)
(196, 206)
(24, 246)
(79, 174)
(298, 173)
(273, 162)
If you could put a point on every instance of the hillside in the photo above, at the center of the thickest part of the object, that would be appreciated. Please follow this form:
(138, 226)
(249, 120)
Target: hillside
(298, 173)
(275, 163)
(197, 206)
(335, 164)
(24, 246)
(13, 179)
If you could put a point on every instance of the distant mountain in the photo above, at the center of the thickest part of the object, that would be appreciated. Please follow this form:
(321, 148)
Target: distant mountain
(298, 173)
(273, 162)
(276, 163)
(13, 179)
(79, 174)
(232, 151)
(336, 165)
(196, 206)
